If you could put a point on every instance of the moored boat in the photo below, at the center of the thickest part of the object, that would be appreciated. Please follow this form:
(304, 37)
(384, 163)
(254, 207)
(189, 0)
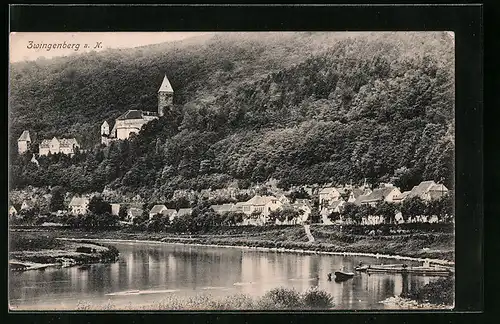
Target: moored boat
(343, 275)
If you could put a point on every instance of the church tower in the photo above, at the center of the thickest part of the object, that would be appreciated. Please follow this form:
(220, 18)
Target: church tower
(165, 96)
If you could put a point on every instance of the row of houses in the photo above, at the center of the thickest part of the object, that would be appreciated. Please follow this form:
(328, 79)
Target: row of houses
(55, 145)
(331, 201)
(258, 209)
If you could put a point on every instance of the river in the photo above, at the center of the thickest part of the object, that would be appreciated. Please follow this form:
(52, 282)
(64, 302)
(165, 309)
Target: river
(161, 270)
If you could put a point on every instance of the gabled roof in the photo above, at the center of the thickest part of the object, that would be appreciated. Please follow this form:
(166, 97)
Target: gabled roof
(105, 123)
(224, 208)
(379, 194)
(78, 201)
(135, 212)
(421, 189)
(402, 196)
(25, 136)
(184, 211)
(357, 192)
(166, 86)
(438, 187)
(68, 142)
(157, 209)
(258, 200)
(131, 114)
(327, 190)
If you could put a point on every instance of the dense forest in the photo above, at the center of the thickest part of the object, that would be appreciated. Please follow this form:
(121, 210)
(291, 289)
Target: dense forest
(302, 108)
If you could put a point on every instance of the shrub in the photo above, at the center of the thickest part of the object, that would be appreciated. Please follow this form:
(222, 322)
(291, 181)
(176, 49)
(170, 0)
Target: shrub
(317, 299)
(281, 298)
(439, 292)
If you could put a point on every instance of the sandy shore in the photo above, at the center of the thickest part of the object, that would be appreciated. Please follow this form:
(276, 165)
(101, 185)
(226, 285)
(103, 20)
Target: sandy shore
(378, 256)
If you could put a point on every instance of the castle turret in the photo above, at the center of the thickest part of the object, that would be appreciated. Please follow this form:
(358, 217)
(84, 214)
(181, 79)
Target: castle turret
(165, 96)
(105, 129)
(24, 142)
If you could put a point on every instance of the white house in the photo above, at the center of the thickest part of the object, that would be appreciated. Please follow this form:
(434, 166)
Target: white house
(12, 211)
(56, 145)
(115, 209)
(163, 210)
(79, 205)
(428, 190)
(262, 205)
(386, 193)
(27, 205)
(24, 142)
(328, 194)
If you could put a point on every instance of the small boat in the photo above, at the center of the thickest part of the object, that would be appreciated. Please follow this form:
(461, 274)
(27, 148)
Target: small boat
(343, 275)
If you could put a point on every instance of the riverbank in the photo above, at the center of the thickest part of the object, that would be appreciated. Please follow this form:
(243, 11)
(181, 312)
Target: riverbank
(36, 250)
(410, 245)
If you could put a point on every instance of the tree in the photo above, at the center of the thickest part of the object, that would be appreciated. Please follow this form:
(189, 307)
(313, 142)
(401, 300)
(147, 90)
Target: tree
(387, 211)
(352, 212)
(98, 206)
(334, 216)
(158, 223)
(122, 213)
(315, 216)
(57, 199)
(412, 207)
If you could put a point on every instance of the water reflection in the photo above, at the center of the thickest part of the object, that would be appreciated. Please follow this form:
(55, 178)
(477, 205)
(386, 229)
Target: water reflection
(175, 269)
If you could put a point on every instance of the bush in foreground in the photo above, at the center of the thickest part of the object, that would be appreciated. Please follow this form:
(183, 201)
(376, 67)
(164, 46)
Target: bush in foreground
(281, 298)
(317, 299)
(439, 292)
(275, 299)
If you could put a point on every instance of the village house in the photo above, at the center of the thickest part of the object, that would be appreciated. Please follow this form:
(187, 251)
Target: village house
(133, 212)
(115, 209)
(56, 145)
(401, 197)
(132, 121)
(12, 211)
(262, 205)
(387, 193)
(27, 205)
(184, 212)
(355, 193)
(163, 210)
(79, 205)
(303, 207)
(334, 207)
(24, 142)
(238, 207)
(327, 195)
(428, 190)
(222, 209)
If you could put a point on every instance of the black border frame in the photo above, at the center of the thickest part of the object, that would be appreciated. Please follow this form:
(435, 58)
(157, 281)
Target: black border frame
(465, 20)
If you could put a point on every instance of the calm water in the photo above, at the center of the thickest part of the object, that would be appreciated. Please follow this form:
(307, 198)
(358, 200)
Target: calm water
(162, 270)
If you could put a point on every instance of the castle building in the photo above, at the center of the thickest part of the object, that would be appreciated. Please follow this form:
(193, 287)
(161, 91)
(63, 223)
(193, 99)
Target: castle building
(58, 145)
(24, 142)
(132, 121)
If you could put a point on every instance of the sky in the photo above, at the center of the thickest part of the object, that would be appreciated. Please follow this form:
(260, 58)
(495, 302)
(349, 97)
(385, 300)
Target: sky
(20, 48)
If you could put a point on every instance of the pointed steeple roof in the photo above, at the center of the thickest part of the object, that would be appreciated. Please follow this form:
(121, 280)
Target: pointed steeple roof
(25, 136)
(105, 123)
(165, 86)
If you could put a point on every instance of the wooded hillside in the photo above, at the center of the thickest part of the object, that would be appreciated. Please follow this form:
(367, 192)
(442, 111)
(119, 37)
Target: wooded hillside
(299, 107)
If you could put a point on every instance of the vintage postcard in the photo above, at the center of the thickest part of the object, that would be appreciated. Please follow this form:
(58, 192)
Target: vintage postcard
(231, 171)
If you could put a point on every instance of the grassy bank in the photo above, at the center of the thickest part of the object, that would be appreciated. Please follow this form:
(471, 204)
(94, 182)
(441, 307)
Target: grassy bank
(37, 247)
(424, 242)
(275, 299)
